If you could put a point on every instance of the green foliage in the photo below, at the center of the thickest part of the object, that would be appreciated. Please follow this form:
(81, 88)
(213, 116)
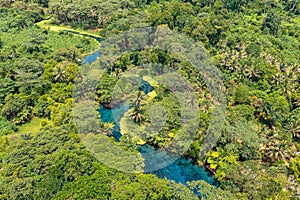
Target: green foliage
(6, 87)
(28, 76)
(242, 94)
(254, 43)
(140, 187)
(94, 15)
(220, 160)
(251, 180)
(207, 191)
(97, 185)
(272, 23)
(28, 161)
(17, 108)
(60, 113)
(292, 123)
(175, 14)
(253, 49)
(295, 167)
(242, 111)
(241, 137)
(87, 118)
(41, 109)
(105, 88)
(6, 127)
(49, 66)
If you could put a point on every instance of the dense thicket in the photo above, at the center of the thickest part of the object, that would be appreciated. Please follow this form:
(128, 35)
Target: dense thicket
(254, 43)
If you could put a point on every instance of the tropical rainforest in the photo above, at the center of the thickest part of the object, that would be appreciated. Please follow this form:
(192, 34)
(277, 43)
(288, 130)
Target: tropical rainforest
(255, 44)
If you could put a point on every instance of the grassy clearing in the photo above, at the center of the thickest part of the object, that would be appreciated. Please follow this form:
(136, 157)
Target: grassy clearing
(33, 127)
(46, 24)
(150, 80)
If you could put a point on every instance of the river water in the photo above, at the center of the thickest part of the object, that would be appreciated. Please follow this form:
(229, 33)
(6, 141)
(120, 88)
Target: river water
(182, 170)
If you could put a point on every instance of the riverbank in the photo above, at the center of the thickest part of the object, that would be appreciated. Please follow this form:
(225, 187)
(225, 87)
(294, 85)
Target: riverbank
(46, 24)
(183, 170)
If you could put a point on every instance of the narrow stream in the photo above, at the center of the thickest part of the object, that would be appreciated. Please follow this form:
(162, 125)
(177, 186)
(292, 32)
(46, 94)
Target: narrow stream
(182, 170)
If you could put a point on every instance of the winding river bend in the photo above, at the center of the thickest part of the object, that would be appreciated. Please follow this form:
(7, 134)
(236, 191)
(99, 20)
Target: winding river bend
(183, 170)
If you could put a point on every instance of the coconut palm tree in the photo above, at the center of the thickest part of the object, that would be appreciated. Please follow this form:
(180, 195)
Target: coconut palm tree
(277, 150)
(294, 128)
(286, 79)
(137, 114)
(107, 127)
(252, 72)
(297, 102)
(60, 74)
(137, 102)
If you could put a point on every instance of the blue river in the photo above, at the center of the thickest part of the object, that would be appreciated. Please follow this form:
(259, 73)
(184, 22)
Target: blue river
(182, 170)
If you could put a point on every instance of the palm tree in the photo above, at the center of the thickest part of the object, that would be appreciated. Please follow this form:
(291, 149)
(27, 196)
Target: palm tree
(286, 79)
(60, 74)
(93, 13)
(252, 72)
(118, 73)
(290, 75)
(293, 128)
(137, 115)
(276, 149)
(277, 79)
(107, 127)
(137, 102)
(26, 136)
(297, 102)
